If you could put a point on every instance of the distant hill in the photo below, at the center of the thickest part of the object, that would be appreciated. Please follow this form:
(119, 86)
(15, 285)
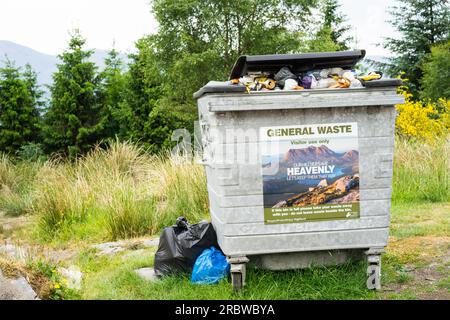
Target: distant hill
(43, 64)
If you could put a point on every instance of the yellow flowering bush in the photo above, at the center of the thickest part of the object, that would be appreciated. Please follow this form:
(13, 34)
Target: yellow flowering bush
(422, 120)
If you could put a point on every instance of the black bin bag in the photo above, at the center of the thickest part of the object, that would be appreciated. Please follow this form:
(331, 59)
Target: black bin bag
(181, 244)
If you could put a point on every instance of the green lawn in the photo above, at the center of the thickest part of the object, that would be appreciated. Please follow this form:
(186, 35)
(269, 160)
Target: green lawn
(419, 238)
(124, 193)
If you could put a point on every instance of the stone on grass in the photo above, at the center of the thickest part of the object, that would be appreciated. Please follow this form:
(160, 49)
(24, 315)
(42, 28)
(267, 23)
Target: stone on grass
(151, 242)
(16, 289)
(147, 274)
(109, 248)
(12, 251)
(73, 275)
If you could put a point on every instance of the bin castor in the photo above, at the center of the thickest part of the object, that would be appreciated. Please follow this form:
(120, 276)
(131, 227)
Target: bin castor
(374, 268)
(238, 270)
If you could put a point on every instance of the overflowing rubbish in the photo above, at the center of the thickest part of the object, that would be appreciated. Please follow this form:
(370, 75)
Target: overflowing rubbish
(374, 75)
(285, 79)
(181, 244)
(284, 74)
(210, 267)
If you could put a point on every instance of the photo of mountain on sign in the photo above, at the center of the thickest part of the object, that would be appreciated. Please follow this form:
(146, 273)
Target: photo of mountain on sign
(319, 174)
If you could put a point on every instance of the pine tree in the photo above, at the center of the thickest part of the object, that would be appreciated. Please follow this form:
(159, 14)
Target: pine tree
(421, 24)
(333, 26)
(72, 122)
(19, 102)
(113, 92)
(142, 92)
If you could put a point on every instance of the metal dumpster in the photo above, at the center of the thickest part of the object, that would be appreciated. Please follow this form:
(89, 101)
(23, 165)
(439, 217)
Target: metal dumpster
(299, 178)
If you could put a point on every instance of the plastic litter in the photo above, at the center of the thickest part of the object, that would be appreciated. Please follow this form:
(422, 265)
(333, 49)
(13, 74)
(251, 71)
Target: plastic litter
(284, 74)
(290, 84)
(356, 84)
(181, 244)
(336, 72)
(348, 75)
(306, 81)
(374, 75)
(324, 73)
(210, 267)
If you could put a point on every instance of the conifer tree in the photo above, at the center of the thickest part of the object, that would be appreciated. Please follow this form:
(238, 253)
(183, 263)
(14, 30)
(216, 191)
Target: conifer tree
(73, 120)
(421, 24)
(19, 103)
(113, 92)
(333, 25)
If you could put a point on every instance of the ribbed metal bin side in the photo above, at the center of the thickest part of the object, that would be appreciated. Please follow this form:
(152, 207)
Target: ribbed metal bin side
(235, 189)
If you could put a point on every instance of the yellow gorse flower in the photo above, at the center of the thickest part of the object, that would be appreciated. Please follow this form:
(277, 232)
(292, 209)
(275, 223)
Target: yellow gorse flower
(422, 120)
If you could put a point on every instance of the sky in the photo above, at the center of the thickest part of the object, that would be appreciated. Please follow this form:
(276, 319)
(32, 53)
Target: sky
(44, 24)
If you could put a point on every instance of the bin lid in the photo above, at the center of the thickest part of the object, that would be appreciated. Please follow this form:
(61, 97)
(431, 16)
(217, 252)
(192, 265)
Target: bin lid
(298, 63)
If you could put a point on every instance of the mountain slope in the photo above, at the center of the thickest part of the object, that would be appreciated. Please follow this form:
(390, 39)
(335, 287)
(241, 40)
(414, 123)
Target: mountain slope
(43, 64)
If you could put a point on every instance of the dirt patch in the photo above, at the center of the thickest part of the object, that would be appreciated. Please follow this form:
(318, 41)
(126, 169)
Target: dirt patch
(419, 249)
(440, 294)
(423, 283)
(425, 264)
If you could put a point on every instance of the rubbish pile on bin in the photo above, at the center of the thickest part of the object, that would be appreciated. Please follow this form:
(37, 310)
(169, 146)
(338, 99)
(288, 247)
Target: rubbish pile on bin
(285, 79)
(298, 72)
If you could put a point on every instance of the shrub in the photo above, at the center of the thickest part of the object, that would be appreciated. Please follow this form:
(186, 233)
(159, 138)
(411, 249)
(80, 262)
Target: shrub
(436, 73)
(31, 152)
(420, 120)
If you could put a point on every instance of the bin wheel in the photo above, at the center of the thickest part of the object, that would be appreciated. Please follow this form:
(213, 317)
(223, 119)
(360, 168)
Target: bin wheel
(236, 279)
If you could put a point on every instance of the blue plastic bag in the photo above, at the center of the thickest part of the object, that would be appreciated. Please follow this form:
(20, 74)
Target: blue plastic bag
(210, 267)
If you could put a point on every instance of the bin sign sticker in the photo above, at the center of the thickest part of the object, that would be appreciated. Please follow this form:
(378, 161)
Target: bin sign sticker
(310, 172)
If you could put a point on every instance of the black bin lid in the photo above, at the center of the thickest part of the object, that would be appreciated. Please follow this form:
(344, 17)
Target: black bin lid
(296, 62)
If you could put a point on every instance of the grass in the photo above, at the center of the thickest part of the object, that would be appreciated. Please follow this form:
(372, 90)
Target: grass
(123, 192)
(15, 185)
(407, 257)
(109, 194)
(421, 171)
(115, 278)
(420, 219)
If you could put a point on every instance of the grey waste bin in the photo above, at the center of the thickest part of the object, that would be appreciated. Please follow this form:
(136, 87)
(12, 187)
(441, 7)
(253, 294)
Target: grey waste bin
(299, 178)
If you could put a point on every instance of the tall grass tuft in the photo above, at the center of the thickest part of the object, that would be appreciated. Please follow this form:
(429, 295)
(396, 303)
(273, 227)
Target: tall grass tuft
(180, 188)
(61, 197)
(116, 193)
(16, 179)
(421, 171)
(131, 214)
